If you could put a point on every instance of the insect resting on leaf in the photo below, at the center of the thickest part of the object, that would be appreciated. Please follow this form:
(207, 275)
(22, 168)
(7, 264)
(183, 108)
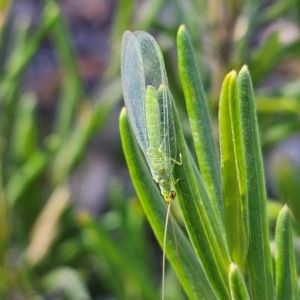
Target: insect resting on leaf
(149, 105)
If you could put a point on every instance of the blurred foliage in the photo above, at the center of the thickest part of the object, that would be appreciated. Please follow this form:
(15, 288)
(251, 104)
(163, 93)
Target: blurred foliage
(42, 239)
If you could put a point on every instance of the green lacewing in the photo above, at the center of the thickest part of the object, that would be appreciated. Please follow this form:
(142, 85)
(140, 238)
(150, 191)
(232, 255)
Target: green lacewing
(149, 103)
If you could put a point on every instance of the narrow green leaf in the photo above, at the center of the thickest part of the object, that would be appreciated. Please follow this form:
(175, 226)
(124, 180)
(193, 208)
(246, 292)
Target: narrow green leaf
(236, 127)
(237, 284)
(232, 179)
(104, 104)
(200, 218)
(285, 265)
(259, 261)
(297, 9)
(148, 13)
(24, 176)
(200, 120)
(265, 57)
(273, 12)
(4, 233)
(24, 134)
(277, 133)
(16, 66)
(189, 271)
(10, 59)
(291, 49)
(72, 88)
(68, 153)
(281, 104)
(98, 242)
(122, 18)
(90, 119)
(72, 147)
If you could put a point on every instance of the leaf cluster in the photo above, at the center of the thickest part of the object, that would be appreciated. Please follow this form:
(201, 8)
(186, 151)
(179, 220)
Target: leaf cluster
(226, 253)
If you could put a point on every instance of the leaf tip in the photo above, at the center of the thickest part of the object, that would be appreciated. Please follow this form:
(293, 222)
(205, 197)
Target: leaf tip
(244, 68)
(233, 73)
(123, 113)
(284, 210)
(52, 10)
(232, 267)
(244, 74)
(181, 28)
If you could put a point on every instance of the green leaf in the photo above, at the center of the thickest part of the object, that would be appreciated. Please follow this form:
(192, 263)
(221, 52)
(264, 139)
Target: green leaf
(237, 284)
(4, 233)
(24, 176)
(285, 265)
(277, 133)
(282, 105)
(72, 88)
(200, 218)
(265, 57)
(148, 13)
(273, 12)
(22, 55)
(233, 178)
(259, 261)
(189, 271)
(200, 120)
(99, 243)
(123, 16)
(90, 119)
(24, 134)
(73, 147)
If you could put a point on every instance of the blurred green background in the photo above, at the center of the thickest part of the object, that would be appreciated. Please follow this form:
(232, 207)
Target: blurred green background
(70, 224)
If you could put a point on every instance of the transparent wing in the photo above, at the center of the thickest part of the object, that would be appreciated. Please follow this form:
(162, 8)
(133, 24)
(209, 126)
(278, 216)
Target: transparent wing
(155, 75)
(142, 65)
(133, 84)
(154, 67)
